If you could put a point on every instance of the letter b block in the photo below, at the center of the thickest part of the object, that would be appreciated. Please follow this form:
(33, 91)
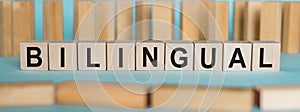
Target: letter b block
(179, 55)
(237, 56)
(34, 55)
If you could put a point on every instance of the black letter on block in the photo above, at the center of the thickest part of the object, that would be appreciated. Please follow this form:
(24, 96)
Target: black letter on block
(181, 58)
(37, 56)
(62, 57)
(261, 60)
(213, 61)
(120, 57)
(89, 63)
(147, 53)
(238, 52)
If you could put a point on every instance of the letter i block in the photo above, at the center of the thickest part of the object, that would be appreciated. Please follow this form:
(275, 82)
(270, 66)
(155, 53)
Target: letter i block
(63, 55)
(91, 55)
(120, 55)
(34, 55)
(266, 56)
(208, 55)
(237, 56)
(150, 55)
(179, 55)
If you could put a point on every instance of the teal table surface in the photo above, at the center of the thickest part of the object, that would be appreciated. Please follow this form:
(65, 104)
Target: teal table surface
(10, 72)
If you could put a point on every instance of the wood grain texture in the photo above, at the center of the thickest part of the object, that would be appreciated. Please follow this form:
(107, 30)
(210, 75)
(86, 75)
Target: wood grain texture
(163, 19)
(192, 17)
(291, 28)
(5, 28)
(239, 10)
(27, 94)
(143, 16)
(252, 21)
(53, 20)
(228, 99)
(84, 20)
(23, 23)
(105, 22)
(271, 21)
(124, 19)
(90, 92)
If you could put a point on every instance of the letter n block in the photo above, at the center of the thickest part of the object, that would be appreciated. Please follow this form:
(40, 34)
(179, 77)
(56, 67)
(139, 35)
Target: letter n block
(179, 55)
(237, 56)
(34, 55)
(208, 55)
(121, 55)
(91, 55)
(266, 56)
(150, 55)
(63, 55)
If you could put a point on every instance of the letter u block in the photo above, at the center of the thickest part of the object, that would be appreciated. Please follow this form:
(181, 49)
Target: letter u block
(34, 55)
(179, 55)
(266, 56)
(208, 55)
(150, 55)
(63, 55)
(120, 55)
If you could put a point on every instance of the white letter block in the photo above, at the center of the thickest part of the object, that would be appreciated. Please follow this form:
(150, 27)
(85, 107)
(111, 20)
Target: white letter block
(179, 55)
(239, 53)
(91, 55)
(210, 58)
(63, 55)
(121, 55)
(38, 55)
(266, 56)
(154, 47)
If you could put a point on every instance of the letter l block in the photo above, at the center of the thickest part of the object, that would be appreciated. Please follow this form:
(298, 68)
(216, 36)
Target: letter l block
(91, 55)
(37, 59)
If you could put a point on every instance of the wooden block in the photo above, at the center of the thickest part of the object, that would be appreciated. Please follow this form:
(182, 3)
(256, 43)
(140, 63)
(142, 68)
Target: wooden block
(84, 20)
(121, 55)
(91, 55)
(105, 22)
(191, 98)
(63, 55)
(102, 94)
(23, 23)
(239, 10)
(163, 19)
(237, 56)
(179, 55)
(5, 28)
(252, 21)
(266, 56)
(150, 55)
(53, 20)
(27, 94)
(34, 55)
(143, 22)
(283, 98)
(208, 55)
(270, 21)
(219, 11)
(291, 28)
(124, 19)
(192, 16)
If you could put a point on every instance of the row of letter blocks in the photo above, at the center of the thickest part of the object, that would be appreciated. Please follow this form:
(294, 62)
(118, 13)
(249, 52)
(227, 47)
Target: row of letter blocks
(150, 55)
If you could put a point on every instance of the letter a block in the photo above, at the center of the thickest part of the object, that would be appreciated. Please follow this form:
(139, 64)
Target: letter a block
(150, 55)
(91, 55)
(34, 55)
(63, 55)
(179, 55)
(208, 55)
(266, 56)
(121, 55)
(237, 56)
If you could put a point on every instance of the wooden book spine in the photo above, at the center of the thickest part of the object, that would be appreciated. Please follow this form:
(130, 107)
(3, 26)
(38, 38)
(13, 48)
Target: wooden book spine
(143, 22)
(252, 21)
(5, 28)
(239, 10)
(220, 11)
(104, 20)
(124, 19)
(53, 20)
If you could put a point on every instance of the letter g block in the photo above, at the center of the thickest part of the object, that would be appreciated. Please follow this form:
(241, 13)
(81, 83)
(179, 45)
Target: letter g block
(34, 55)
